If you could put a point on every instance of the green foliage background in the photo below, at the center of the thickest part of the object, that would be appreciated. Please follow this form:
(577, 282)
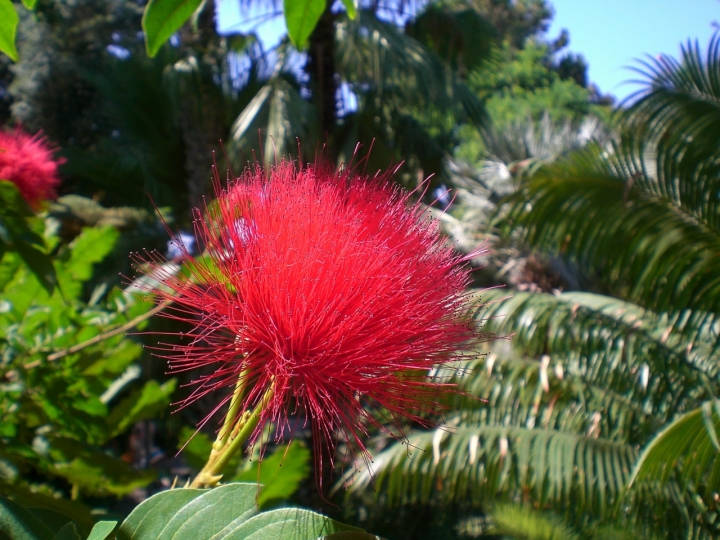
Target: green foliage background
(597, 416)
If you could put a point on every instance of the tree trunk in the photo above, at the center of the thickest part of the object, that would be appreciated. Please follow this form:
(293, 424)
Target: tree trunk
(321, 70)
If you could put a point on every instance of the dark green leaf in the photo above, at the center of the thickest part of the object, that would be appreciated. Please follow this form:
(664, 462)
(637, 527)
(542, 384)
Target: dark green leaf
(301, 16)
(75, 510)
(8, 29)
(150, 516)
(95, 471)
(162, 18)
(142, 404)
(351, 535)
(19, 524)
(38, 262)
(68, 532)
(53, 520)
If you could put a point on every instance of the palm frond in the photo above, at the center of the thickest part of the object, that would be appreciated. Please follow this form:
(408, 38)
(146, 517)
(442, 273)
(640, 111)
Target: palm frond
(278, 115)
(648, 226)
(375, 55)
(523, 523)
(662, 361)
(689, 446)
(681, 98)
(481, 461)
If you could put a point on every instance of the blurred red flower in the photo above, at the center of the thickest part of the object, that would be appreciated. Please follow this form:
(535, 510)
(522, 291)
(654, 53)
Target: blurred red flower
(332, 287)
(28, 162)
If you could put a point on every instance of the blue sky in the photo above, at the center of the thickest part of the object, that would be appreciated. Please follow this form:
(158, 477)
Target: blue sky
(610, 34)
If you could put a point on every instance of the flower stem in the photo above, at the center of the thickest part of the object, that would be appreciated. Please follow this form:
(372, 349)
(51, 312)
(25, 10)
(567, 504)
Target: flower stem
(231, 417)
(226, 446)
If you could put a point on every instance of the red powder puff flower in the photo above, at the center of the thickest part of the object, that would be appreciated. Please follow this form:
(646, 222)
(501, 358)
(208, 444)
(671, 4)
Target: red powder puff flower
(331, 287)
(27, 161)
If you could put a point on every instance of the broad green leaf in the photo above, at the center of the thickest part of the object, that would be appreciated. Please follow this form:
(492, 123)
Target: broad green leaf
(287, 524)
(142, 404)
(73, 509)
(280, 473)
(162, 18)
(102, 530)
(350, 7)
(53, 520)
(8, 29)
(301, 17)
(350, 535)
(68, 532)
(150, 516)
(30, 4)
(19, 524)
(212, 511)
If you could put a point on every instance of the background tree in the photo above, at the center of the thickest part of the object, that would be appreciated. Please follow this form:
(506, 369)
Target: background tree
(603, 408)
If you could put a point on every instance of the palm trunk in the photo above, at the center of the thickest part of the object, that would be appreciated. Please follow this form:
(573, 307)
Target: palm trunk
(321, 70)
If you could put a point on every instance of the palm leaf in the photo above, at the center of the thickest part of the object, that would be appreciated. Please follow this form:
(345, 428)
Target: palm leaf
(689, 446)
(636, 218)
(662, 361)
(522, 523)
(681, 98)
(481, 461)
(399, 72)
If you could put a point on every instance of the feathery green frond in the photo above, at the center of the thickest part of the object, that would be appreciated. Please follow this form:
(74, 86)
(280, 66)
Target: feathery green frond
(481, 461)
(642, 223)
(681, 98)
(690, 446)
(523, 523)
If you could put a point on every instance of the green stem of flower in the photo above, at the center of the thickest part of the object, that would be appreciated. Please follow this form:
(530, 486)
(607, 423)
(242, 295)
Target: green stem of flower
(232, 415)
(220, 456)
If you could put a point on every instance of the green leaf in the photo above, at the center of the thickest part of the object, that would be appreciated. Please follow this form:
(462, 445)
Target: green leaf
(287, 524)
(211, 512)
(150, 516)
(162, 18)
(59, 506)
(38, 262)
(517, 521)
(195, 447)
(687, 445)
(350, 7)
(102, 530)
(351, 535)
(53, 520)
(142, 404)
(30, 4)
(19, 524)
(68, 532)
(92, 246)
(8, 29)
(301, 17)
(95, 471)
(280, 473)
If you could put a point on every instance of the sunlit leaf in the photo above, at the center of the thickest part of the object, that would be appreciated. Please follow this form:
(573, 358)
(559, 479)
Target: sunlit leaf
(8, 29)
(301, 16)
(162, 18)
